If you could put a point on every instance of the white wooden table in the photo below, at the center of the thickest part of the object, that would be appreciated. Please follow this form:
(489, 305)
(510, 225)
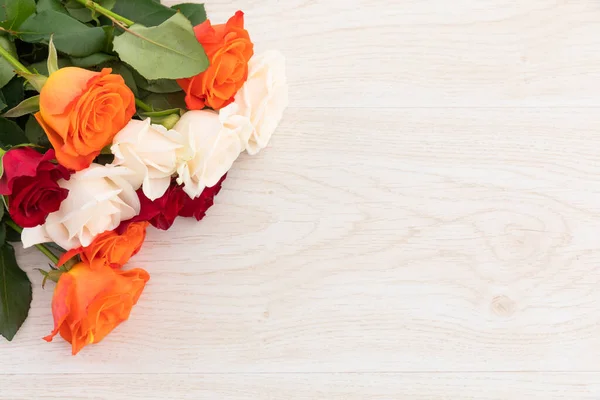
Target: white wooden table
(425, 225)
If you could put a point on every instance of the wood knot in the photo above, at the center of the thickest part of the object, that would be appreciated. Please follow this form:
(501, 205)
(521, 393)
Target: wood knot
(503, 306)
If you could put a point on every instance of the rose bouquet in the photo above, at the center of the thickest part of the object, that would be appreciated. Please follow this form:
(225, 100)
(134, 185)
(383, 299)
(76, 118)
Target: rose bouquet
(116, 115)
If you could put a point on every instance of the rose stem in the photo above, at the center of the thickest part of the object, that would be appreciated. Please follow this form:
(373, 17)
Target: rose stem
(143, 105)
(106, 12)
(13, 61)
(46, 251)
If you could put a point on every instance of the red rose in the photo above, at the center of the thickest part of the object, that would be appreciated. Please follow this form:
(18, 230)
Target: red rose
(30, 181)
(161, 213)
(197, 207)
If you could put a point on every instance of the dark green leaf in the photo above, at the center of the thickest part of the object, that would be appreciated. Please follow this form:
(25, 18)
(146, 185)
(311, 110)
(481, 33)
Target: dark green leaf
(70, 36)
(2, 102)
(144, 12)
(166, 101)
(12, 235)
(104, 159)
(42, 66)
(126, 73)
(92, 61)
(14, 92)
(35, 133)
(83, 14)
(167, 51)
(7, 71)
(27, 106)
(194, 12)
(11, 134)
(2, 228)
(45, 5)
(157, 86)
(14, 12)
(15, 293)
(109, 31)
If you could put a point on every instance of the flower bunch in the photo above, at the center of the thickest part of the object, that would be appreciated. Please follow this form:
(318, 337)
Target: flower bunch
(116, 117)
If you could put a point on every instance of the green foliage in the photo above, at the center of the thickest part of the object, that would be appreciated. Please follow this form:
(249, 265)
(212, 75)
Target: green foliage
(196, 13)
(13, 92)
(7, 71)
(70, 36)
(83, 14)
(165, 101)
(156, 86)
(41, 67)
(93, 60)
(15, 292)
(27, 106)
(45, 5)
(144, 12)
(52, 62)
(127, 74)
(167, 51)
(14, 12)
(35, 133)
(11, 134)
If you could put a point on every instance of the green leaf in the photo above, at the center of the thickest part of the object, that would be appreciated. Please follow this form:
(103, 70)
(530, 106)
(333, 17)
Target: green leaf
(52, 63)
(14, 12)
(42, 66)
(92, 61)
(12, 235)
(11, 134)
(109, 31)
(144, 12)
(36, 81)
(166, 101)
(194, 12)
(55, 5)
(157, 86)
(2, 101)
(13, 92)
(83, 14)
(127, 75)
(70, 36)
(35, 133)
(7, 71)
(27, 106)
(167, 51)
(15, 293)
(2, 228)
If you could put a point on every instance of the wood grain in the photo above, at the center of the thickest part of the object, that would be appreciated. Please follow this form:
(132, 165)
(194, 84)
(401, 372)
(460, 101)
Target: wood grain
(434, 241)
(424, 225)
(418, 386)
(430, 53)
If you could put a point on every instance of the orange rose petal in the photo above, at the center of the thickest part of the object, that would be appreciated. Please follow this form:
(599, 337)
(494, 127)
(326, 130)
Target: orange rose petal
(61, 306)
(56, 95)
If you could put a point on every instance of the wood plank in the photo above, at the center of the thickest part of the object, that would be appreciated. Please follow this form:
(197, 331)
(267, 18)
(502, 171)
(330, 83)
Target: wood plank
(425, 53)
(431, 386)
(434, 240)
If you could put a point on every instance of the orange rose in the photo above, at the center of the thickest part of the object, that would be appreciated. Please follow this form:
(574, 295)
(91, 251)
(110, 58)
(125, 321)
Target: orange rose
(229, 49)
(81, 111)
(112, 248)
(89, 303)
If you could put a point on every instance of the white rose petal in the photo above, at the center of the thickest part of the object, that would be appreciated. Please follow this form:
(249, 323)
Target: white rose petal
(150, 151)
(210, 150)
(260, 102)
(100, 197)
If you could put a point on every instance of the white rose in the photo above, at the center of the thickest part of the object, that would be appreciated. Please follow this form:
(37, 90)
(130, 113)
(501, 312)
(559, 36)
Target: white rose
(209, 152)
(260, 102)
(150, 151)
(100, 197)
